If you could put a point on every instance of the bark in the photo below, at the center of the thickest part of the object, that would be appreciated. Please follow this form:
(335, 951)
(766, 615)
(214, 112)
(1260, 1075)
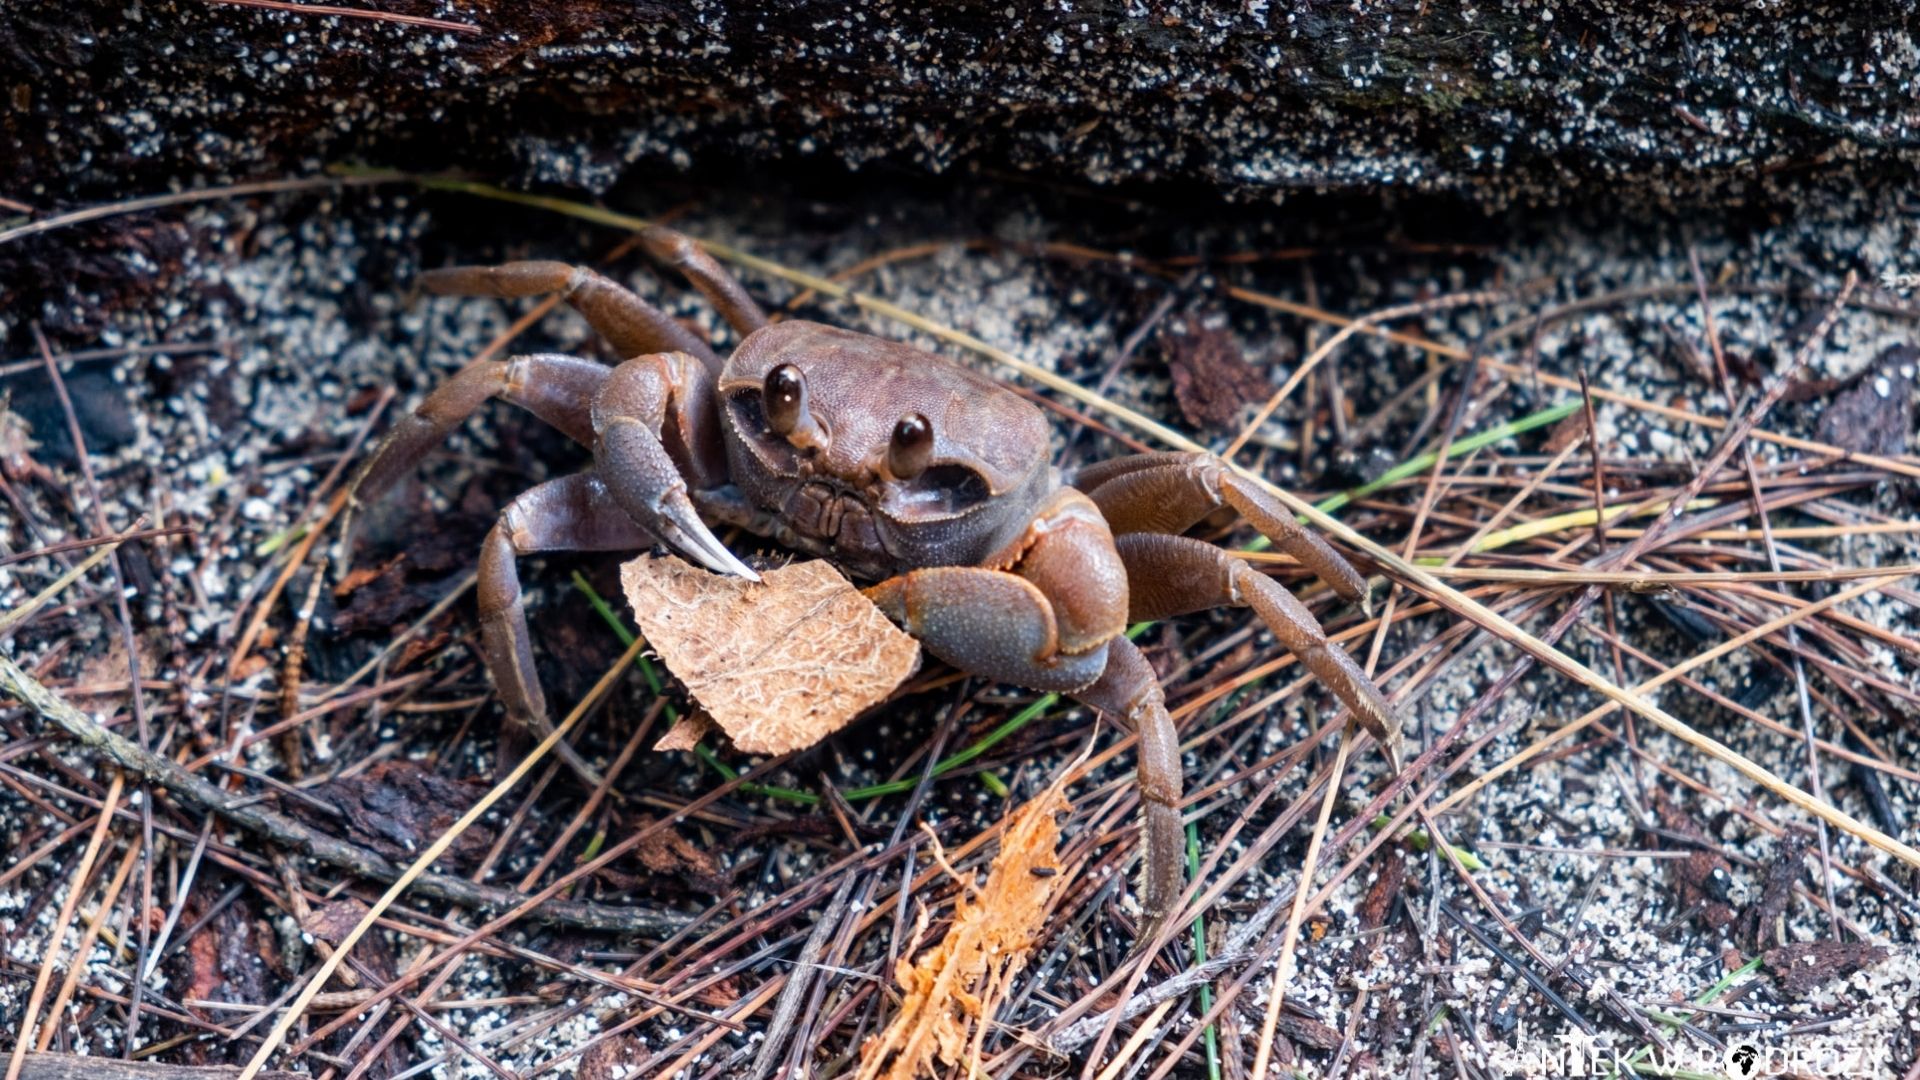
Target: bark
(1530, 98)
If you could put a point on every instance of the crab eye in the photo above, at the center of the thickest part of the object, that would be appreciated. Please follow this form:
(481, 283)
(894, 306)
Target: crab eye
(784, 399)
(912, 447)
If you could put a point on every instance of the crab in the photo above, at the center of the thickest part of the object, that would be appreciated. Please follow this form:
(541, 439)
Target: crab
(907, 470)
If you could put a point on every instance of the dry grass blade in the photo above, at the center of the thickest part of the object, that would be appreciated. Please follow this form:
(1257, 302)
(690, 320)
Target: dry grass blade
(87, 937)
(1731, 644)
(331, 10)
(428, 858)
(14, 618)
(81, 873)
(1284, 970)
(1635, 580)
(183, 198)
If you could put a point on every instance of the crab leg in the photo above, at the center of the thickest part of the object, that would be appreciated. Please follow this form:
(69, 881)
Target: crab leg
(720, 288)
(1000, 625)
(1174, 575)
(1170, 492)
(557, 389)
(1129, 689)
(573, 513)
(1047, 612)
(630, 324)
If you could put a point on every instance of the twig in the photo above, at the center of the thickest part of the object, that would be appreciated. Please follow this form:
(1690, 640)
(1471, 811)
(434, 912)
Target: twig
(14, 618)
(135, 694)
(181, 891)
(285, 830)
(799, 980)
(94, 541)
(292, 669)
(76, 1067)
(183, 198)
(356, 13)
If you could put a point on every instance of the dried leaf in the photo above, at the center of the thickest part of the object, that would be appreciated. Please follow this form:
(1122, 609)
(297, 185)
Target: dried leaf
(1308, 1031)
(610, 1059)
(1380, 896)
(781, 664)
(686, 732)
(1802, 967)
(1212, 381)
(398, 808)
(333, 922)
(953, 987)
(667, 852)
(1701, 881)
(1875, 415)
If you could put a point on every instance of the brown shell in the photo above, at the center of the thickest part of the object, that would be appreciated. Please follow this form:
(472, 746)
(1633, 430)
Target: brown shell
(858, 387)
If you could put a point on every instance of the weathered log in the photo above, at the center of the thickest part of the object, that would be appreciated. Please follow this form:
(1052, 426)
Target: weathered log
(1255, 98)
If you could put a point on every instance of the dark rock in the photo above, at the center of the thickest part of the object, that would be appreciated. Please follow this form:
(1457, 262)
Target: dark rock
(106, 417)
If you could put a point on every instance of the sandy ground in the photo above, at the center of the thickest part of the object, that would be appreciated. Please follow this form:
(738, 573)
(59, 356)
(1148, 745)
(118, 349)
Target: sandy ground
(302, 304)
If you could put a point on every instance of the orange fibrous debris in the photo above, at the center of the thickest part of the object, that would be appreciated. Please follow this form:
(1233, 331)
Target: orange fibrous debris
(951, 991)
(779, 665)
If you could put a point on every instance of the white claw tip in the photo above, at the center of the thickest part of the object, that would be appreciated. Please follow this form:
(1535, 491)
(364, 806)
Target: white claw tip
(726, 562)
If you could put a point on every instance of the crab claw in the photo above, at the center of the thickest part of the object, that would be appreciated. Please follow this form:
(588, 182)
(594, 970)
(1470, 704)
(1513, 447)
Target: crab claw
(644, 481)
(681, 529)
